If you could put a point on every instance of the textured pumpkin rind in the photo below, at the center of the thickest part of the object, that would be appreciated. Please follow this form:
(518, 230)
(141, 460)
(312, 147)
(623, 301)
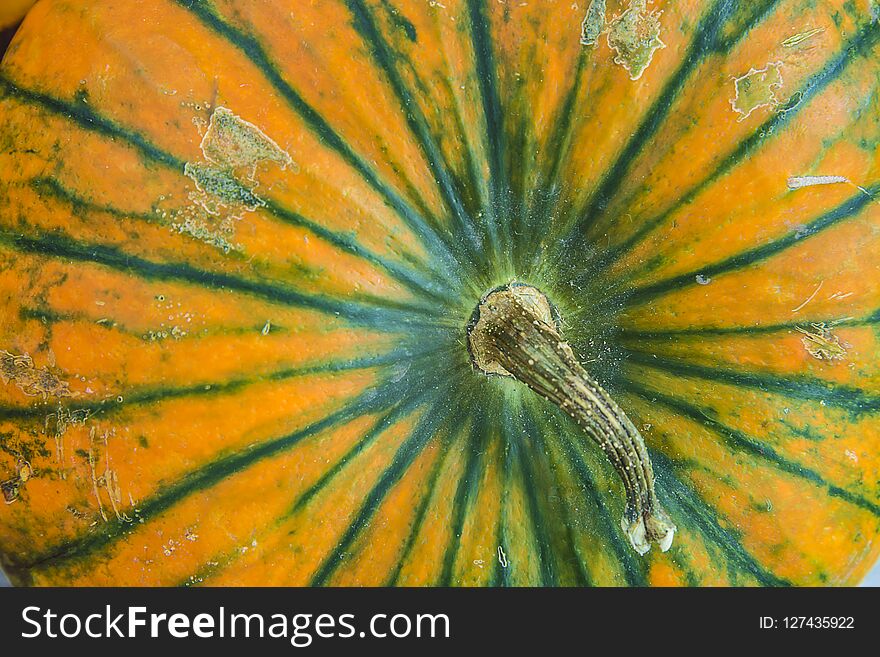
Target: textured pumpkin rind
(269, 385)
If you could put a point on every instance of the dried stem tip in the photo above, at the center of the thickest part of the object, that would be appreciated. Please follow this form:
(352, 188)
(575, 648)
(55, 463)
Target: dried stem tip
(515, 335)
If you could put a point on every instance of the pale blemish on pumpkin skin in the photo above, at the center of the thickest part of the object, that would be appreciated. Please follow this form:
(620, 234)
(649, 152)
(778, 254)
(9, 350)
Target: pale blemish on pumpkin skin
(231, 142)
(593, 23)
(634, 36)
(33, 381)
(821, 343)
(219, 188)
(225, 178)
(757, 89)
(11, 488)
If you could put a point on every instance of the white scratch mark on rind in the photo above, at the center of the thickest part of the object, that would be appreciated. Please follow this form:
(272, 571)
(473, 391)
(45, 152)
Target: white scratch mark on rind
(838, 296)
(797, 182)
(795, 39)
(502, 558)
(811, 297)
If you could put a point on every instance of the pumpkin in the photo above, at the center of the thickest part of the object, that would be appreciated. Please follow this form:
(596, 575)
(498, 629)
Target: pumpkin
(13, 11)
(370, 292)
(11, 14)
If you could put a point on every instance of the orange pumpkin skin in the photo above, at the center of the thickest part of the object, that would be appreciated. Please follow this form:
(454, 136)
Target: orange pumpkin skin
(240, 242)
(11, 13)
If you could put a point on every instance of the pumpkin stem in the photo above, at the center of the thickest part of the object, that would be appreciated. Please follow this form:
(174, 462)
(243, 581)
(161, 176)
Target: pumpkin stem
(514, 334)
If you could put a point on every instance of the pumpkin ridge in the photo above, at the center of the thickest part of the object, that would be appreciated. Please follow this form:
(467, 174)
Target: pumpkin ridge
(393, 578)
(366, 27)
(701, 514)
(853, 400)
(502, 576)
(744, 443)
(428, 231)
(408, 405)
(79, 548)
(540, 450)
(516, 481)
(637, 335)
(847, 210)
(90, 120)
(152, 395)
(547, 195)
(468, 182)
(705, 37)
(569, 516)
(465, 493)
(412, 279)
(83, 116)
(403, 458)
(492, 115)
(523, 434)
(400, 409)
(513, 435)
(814, 85)
(762, 10)
(58, 246)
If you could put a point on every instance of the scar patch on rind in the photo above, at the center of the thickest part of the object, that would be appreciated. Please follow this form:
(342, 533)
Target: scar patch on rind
(231, 142)
(635, 36)
(220, 188)
(31, 380)
(821, 343)
(593, 23)
(225, 184)
(757, 89)
(12, 487)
